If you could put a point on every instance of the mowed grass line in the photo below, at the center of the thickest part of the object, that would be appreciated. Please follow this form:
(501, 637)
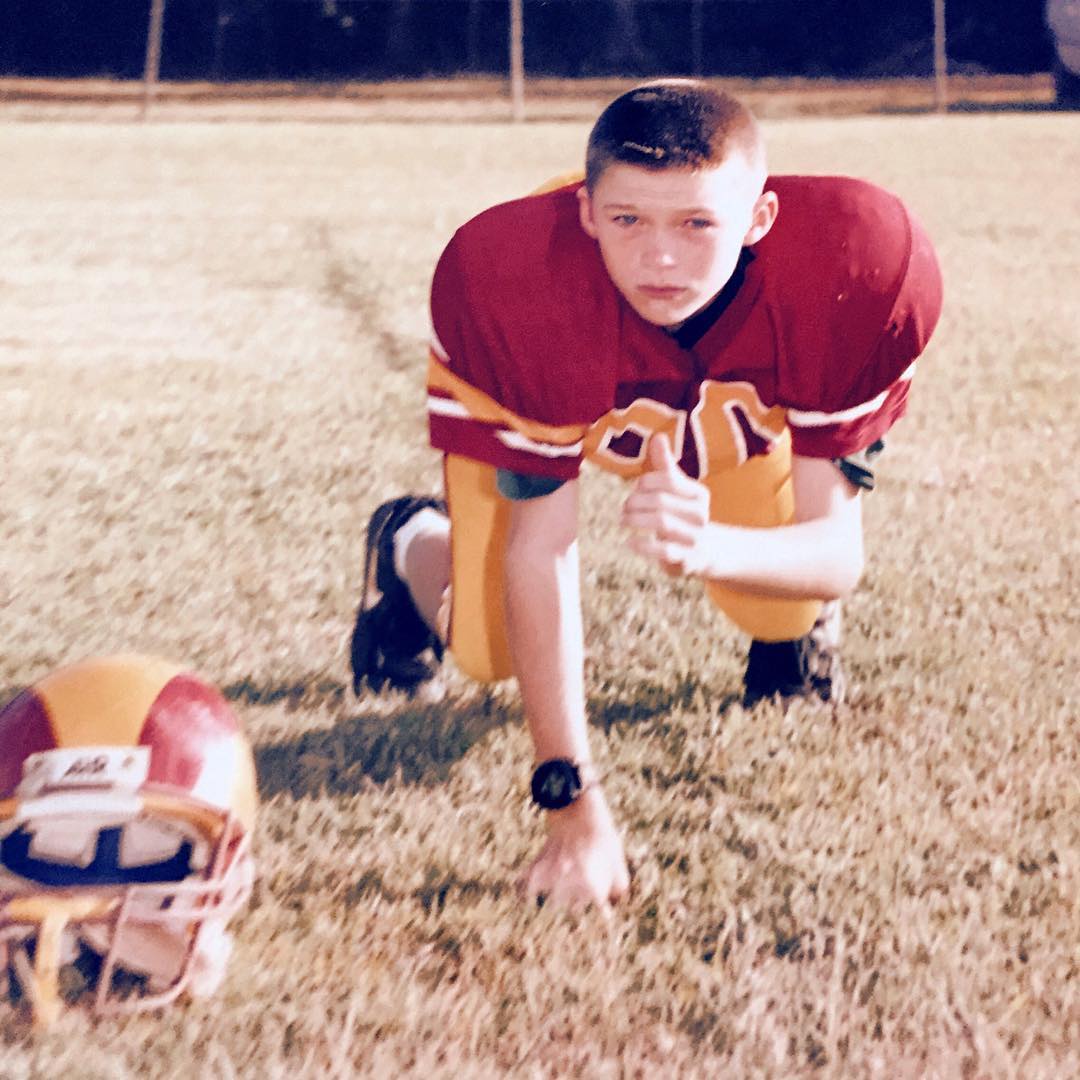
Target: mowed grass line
(211, 364)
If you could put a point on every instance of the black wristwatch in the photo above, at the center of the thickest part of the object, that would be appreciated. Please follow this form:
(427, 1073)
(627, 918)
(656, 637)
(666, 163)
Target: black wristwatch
(559, 782)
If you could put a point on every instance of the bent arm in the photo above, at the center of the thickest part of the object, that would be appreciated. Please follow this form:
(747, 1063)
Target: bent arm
(818, 556)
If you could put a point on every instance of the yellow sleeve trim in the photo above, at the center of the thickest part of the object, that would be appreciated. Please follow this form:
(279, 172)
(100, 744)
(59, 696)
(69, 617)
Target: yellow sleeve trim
(560, 181)
(482, 407)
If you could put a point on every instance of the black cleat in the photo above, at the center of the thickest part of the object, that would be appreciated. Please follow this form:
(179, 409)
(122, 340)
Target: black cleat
(390, 635)
(808, 667)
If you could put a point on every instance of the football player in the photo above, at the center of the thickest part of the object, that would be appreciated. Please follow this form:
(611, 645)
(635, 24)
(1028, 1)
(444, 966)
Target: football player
(734, 344)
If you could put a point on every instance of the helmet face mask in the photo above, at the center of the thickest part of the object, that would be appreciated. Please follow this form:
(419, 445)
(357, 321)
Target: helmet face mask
(108, 858)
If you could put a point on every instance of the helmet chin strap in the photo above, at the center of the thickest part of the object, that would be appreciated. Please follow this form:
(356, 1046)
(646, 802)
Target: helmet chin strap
(52, 914)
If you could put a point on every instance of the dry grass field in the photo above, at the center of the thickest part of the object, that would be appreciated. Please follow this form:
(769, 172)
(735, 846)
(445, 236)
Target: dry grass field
(211, 363)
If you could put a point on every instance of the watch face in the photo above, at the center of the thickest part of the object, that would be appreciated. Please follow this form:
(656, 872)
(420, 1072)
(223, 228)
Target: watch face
(556, 784)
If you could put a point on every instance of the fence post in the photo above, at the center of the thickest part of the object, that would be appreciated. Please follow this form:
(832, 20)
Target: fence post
(153, 55)
(697, 37)
(941, 59)
(517, 61)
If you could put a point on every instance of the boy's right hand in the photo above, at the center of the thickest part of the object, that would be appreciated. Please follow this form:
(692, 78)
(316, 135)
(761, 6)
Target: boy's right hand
(582, 861)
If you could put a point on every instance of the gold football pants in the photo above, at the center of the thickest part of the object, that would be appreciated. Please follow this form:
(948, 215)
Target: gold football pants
(757, 493)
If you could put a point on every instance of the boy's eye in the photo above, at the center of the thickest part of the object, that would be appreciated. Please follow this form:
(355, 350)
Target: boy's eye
(699, 223)
(625, 219)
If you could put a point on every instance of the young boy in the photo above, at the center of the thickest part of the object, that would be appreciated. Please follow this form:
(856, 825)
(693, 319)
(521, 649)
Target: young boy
(734, 344)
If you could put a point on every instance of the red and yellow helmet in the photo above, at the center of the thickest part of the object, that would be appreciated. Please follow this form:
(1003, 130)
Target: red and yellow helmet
(127, 803)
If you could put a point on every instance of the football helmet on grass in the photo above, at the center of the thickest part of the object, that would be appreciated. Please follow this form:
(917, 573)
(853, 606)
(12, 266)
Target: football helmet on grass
(127, 802)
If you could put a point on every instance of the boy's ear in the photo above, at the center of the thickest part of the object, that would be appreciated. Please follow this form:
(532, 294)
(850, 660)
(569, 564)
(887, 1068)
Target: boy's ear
(766, 207)
(585, 212)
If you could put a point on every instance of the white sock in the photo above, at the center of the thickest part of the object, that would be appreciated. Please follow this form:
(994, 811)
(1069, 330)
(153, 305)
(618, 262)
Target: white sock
(426, 521)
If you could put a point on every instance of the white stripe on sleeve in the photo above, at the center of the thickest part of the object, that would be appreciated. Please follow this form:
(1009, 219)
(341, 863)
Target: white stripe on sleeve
(823, 419)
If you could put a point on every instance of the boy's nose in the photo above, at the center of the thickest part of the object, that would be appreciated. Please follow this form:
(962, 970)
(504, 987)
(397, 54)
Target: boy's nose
(658, 253)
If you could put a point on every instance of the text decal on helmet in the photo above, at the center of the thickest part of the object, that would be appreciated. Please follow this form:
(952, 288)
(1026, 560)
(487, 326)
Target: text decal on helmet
(122, 768)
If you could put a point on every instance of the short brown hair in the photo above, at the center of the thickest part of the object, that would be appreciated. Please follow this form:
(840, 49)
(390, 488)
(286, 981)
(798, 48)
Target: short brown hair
(671, 124)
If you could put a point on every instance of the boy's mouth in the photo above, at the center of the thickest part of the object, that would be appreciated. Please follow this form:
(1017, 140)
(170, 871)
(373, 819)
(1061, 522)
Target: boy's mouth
(663, 292)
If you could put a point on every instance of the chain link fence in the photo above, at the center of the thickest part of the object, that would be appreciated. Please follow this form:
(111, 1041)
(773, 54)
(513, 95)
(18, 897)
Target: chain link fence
(336, 40)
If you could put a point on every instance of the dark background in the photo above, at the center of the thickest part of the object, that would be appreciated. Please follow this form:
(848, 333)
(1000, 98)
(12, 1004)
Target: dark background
(378, 39)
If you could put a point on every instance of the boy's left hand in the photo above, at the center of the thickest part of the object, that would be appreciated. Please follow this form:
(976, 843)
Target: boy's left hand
(668, 513)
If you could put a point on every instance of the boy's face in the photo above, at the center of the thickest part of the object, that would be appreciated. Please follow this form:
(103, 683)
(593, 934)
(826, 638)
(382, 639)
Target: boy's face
(670, 238)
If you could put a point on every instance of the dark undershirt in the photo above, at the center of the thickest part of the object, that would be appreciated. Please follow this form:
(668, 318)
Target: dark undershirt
(690, 332)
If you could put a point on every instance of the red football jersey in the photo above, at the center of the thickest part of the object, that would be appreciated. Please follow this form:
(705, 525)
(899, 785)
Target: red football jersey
(538, 362)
